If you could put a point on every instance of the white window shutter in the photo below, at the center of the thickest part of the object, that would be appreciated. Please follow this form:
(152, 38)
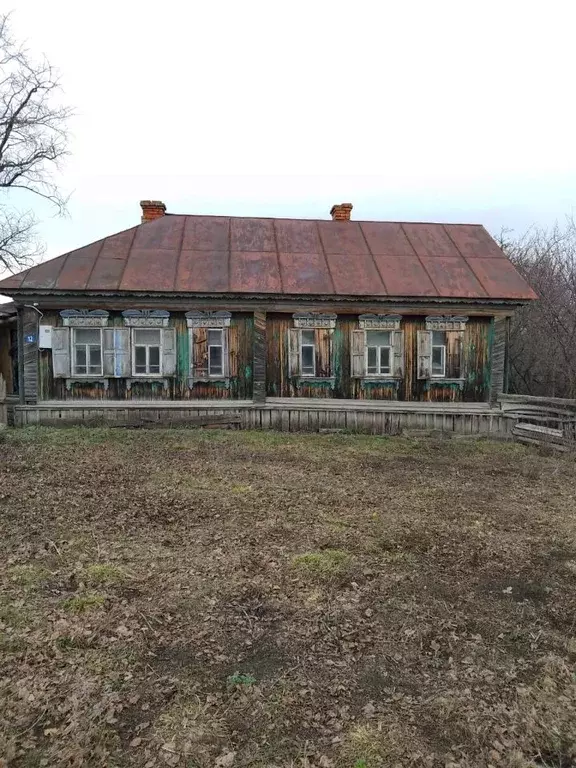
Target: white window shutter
(398, 353)
(61, 353)
(293, 351)
(225, 353)
(358, 354)
(116, 352)
(424, 354)
(169, 351)
(191, 362)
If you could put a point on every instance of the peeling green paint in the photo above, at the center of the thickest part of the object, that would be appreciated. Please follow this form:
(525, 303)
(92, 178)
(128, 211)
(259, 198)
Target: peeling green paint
(183, 356)
(379, 383)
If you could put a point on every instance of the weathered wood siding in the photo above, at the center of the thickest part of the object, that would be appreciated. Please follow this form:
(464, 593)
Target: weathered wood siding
(6, 332)
(28, 321)
(180, 387)
(498, 357)
(259, 385)
(476, 365)
(475, 355)
(260, 365)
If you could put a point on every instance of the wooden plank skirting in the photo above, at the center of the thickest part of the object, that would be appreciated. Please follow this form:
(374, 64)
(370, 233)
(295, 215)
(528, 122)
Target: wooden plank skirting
(287, 415)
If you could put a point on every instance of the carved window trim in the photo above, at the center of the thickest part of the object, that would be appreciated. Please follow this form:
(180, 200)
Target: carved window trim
(313, 320)
(380, 322)
(143, 379)
(146, 318)
(211, 320)
(84, 318)
(133, 344)
(73, 364)
(83, 380)
(446, 323)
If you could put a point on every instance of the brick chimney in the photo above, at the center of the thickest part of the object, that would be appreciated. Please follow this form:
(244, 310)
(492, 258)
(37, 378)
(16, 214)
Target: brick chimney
(152, 209)
(341, 212)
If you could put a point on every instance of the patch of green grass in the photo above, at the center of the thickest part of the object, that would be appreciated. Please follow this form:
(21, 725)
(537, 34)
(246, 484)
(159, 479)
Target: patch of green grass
(105, 573)
(67, 643)
(241, 489)
(83, 603)
(326, 564)
(365, 746)
(190, 725)
(397, 556)
(14, 614)
(29, 576)
(240, 679)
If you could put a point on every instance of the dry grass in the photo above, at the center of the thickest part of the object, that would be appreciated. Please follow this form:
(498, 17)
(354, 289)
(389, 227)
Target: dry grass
(190, 598)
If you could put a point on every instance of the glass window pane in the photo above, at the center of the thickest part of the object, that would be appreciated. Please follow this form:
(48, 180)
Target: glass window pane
(438, 338)
(154, 369)
(214, 337)
(372, 360)
(154, 357)
(95, 356)
(147, 336)
(215, 361)
(80, 356)
(378, 338)
(308, 337)
(308, 359)
(140, 356)
(87, 336)
(385, 360)
(438, 361)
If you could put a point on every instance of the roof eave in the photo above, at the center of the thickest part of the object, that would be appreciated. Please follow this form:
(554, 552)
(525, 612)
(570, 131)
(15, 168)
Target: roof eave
(33, 293)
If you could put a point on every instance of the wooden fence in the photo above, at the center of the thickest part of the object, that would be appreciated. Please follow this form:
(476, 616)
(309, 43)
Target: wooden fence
(547, 421)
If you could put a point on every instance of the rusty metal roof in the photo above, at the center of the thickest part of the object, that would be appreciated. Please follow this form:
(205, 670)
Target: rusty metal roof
(213, 254)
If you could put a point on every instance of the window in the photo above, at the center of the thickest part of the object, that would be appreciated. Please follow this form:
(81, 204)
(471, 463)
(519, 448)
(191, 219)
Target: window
(87, 352)
(307, 353)
(147, 351)
(215, 352)
(438, 354)
(378, 353)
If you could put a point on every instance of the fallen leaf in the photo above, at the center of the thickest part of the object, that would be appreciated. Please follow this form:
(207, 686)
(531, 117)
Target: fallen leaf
(226, 760)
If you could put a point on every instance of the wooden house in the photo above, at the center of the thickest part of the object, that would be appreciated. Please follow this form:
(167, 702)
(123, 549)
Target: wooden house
(189, 313)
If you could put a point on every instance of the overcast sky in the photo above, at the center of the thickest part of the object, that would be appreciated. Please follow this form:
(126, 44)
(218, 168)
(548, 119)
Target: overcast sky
(432, 110)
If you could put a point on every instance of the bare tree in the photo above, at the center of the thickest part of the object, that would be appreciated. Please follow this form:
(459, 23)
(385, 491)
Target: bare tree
(543, 333)
(33, 141)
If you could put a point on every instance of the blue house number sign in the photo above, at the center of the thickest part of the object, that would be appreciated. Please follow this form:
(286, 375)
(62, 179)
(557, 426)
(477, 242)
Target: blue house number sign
(30, 339)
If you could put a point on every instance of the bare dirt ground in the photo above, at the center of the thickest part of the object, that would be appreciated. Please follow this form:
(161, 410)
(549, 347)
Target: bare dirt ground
(210, 598)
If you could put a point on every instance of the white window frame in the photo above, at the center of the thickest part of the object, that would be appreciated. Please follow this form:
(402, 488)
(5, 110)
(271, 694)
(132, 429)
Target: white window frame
(73, 346)
(313, 346)
(443, 348)
(133, 346)
(222, 347)
(389, 347)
